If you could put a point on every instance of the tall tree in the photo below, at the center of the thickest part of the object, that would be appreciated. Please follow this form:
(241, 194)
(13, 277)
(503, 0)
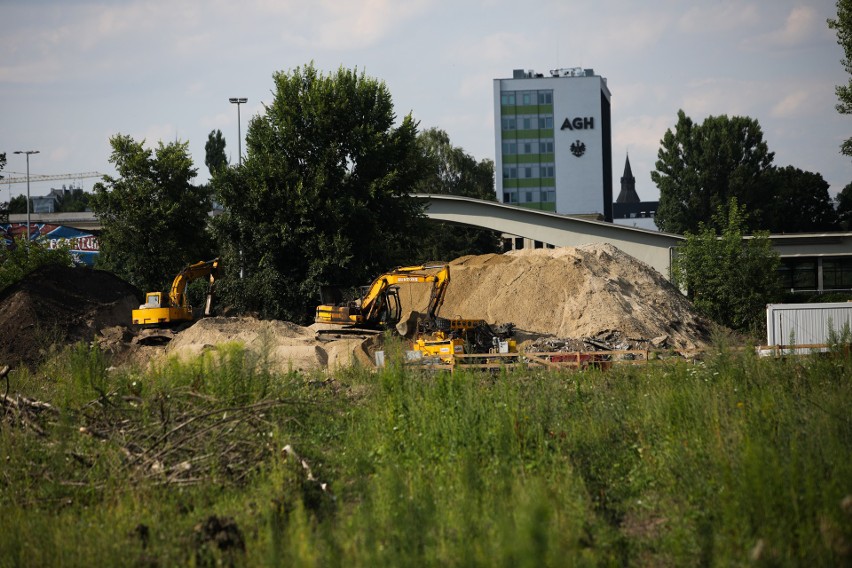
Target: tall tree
(728, 278)
(74, 200)
(450, 170)
(322, 194)
(214, 152)
(701, 167)
(800, 203)
(153, 218)
(843, 25)
(844, 208)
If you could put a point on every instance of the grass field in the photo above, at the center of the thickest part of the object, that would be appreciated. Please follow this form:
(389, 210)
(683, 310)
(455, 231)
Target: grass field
(732, 461)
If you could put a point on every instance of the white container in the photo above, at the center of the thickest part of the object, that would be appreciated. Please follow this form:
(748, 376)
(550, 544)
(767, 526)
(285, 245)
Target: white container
(805, 324)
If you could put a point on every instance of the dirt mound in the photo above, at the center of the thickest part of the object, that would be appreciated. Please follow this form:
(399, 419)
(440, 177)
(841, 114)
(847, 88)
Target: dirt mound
(569, 292)
(287, 346)
(60, 305)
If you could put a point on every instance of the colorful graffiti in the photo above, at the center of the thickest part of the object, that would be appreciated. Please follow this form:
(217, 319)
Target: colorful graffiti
(84, 245)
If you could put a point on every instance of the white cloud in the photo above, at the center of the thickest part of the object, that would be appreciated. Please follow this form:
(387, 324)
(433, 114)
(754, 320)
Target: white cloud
(791, 105)
(718, 17)
(641, 134)
(803, 26)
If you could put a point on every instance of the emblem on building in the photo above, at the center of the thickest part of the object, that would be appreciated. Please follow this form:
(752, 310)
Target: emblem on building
(578, 148)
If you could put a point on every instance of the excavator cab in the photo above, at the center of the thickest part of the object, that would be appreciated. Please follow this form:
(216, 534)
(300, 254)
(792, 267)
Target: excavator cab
(152, 300)
(391, 311)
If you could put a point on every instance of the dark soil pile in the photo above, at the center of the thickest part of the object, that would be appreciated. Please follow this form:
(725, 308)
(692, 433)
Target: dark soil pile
(60, 305)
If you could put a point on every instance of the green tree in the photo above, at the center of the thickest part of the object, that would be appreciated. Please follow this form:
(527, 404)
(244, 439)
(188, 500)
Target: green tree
(729, 278)
(153, 218)
(844, 208)
(321, 196)
(843, 25)
(800, 203)
(18, 204)
(74, 201)
(214, 152)
(701, 167)
(451, 171)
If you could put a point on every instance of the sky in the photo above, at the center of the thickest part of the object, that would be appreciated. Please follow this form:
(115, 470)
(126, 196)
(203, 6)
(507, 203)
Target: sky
(74, 73)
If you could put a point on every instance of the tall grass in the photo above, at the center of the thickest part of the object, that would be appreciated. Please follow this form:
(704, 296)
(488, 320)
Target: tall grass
(732, 461)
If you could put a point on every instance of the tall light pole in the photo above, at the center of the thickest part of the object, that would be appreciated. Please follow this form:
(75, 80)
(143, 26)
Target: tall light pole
(238, 101)
(27, 152)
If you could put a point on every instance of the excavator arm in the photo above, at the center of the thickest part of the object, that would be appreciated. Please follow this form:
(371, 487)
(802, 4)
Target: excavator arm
(177, 294)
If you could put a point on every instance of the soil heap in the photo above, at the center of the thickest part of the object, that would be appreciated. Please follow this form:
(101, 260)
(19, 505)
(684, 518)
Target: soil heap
(60, 305)
(284, 345)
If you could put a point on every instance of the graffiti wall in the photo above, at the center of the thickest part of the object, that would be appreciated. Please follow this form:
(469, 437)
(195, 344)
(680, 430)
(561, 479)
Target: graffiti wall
(84, 244)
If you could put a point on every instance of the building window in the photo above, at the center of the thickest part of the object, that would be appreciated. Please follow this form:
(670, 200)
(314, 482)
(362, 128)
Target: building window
(509, 123)
(510, 148)
(798, 274)
(545, 97)
(529, 197)
(507, 98)
(546, 146)
(526, 97)
(519, 243)
(545, 122)
(528, 172)
(547, 171)
(837, 274)
(510, 197)
(527, 123)
(510, 172)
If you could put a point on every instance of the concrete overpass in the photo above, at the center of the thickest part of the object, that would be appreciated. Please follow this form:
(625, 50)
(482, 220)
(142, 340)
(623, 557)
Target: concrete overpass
(651, 247)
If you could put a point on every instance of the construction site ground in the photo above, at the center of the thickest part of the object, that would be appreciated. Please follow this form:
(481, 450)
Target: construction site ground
(566, 299)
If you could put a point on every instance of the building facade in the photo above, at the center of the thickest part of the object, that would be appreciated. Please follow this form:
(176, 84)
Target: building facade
(553, 142)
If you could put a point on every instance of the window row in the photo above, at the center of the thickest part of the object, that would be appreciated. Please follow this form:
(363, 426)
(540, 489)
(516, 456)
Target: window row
(527, 122)
(514, 147)
(543, 195)
(803, 274)
(524, 98)
(529, 171)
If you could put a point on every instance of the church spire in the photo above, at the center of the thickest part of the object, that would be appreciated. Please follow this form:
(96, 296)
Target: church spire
(628, 185)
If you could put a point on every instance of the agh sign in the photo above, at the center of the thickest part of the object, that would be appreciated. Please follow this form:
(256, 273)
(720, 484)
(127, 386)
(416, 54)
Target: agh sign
(579, 123)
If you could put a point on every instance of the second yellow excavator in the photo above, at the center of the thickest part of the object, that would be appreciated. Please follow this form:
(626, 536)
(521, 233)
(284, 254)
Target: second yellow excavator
(379, 306)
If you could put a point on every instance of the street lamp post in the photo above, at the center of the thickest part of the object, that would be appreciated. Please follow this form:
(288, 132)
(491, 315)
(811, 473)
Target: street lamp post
(238, 101)
(28, 152)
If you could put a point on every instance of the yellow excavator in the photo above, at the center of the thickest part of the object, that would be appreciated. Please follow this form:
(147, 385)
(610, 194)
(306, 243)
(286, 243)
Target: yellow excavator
(379, 305)
(176, 308)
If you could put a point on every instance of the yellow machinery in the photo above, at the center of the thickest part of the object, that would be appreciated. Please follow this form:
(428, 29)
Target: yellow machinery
(177, 309)
(379, 305)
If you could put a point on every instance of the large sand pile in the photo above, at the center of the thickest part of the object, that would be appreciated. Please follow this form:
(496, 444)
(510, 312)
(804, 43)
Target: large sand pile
(570, 292)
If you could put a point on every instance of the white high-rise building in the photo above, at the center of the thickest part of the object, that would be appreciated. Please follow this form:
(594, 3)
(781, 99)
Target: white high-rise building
(553, 141)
